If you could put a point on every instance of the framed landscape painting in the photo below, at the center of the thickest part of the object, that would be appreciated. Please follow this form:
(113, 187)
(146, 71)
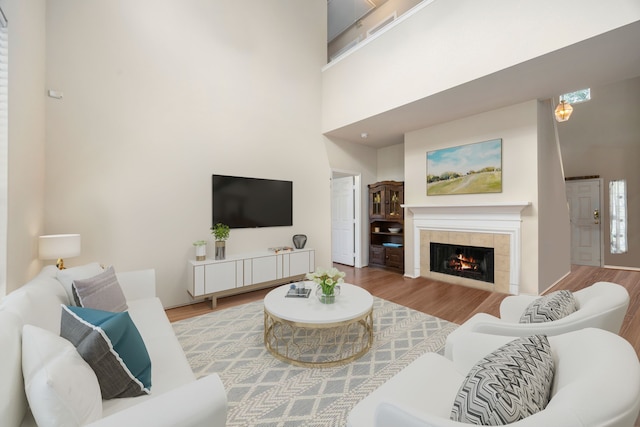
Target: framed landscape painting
(465, 169)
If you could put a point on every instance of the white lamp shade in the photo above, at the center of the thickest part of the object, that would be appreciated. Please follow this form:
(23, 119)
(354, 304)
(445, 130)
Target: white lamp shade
(56, 246)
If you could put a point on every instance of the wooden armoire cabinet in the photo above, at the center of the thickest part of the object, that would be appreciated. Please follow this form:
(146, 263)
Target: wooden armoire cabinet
(386, 225)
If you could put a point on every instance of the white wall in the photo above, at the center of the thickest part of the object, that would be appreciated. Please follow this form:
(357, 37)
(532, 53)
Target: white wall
(518, 128)
(391, 163)
(406, 64)
(554, 236)
(360, 160)
(372, 165)
(26, 137)
(159, 95)
(603, 138)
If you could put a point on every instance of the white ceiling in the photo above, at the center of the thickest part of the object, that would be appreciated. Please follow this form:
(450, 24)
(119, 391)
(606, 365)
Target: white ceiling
(605, 59)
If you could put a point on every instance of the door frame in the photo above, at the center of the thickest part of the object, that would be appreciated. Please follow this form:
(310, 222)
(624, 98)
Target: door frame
(602, 208)
(357, 212)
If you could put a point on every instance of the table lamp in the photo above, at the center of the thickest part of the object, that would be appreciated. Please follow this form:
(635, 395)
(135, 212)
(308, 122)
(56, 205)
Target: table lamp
(58, 246)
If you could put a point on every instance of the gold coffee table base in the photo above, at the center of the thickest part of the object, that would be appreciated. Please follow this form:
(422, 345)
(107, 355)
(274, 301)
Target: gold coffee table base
(318, 344)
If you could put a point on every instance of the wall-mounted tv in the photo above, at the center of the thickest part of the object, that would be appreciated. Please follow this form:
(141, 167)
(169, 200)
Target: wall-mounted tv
(242, 202)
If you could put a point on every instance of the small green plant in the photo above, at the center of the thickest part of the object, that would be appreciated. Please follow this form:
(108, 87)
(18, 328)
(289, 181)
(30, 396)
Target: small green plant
(199, 243)
(220, 232)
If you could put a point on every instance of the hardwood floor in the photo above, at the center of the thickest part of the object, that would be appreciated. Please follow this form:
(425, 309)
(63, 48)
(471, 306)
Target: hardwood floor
(450, 302)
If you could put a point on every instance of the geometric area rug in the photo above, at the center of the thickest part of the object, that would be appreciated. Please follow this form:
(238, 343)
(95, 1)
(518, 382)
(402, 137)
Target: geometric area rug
(262, 391)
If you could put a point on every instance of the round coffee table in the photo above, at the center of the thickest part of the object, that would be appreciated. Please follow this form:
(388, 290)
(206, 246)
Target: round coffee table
(306, 332)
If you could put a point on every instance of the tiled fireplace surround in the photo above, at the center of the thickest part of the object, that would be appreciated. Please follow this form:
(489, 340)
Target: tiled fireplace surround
(494, 226)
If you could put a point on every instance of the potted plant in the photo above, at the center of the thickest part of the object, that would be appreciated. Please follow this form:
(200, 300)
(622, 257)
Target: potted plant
(201, 249)
(328, 283)
(220, 232)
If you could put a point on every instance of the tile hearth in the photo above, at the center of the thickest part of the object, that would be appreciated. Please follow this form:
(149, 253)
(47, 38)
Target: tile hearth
(491, 225)
(498, 242)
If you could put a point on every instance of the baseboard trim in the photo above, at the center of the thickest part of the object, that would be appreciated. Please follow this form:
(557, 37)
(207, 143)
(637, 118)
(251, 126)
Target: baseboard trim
(556, 282)
(619, 267)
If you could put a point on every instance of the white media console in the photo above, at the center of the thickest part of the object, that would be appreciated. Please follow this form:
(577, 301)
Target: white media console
(247, 272)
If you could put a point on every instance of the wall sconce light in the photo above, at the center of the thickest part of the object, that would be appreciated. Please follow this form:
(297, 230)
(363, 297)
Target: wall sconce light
(58, 246)
(563, 111)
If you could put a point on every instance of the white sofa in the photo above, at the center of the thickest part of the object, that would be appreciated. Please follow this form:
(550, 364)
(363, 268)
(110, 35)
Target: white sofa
(176, 398)
(596, 383)
(602, 305)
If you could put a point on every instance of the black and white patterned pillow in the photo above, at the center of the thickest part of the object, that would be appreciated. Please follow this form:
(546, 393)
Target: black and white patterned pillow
(553, 306)
(508, 385)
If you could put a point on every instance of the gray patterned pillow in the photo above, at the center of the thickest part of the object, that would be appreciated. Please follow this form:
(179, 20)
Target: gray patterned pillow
(548, 308)
(102, 292)
(508, 385)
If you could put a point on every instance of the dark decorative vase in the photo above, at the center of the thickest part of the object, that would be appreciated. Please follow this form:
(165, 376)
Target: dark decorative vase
(299, 240)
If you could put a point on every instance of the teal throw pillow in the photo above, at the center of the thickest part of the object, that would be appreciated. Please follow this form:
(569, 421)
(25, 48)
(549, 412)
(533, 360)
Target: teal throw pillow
(111, 344)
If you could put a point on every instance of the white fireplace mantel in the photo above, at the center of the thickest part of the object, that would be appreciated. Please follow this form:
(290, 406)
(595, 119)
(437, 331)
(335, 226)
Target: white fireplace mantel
(502, 218)
(474, 209)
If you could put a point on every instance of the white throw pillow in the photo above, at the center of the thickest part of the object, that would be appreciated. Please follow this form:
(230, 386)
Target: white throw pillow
(68, 275)
(61, 387)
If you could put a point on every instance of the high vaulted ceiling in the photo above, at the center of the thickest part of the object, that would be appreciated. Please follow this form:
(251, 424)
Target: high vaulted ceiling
(608, 58)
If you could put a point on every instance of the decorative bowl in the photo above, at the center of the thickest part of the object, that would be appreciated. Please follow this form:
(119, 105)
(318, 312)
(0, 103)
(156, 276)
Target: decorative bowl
(394, 230)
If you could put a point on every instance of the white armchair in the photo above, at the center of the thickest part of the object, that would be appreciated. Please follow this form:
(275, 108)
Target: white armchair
(602, 305)
(596, 383)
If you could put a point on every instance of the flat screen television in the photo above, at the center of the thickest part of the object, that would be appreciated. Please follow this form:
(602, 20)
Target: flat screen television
(242, 202)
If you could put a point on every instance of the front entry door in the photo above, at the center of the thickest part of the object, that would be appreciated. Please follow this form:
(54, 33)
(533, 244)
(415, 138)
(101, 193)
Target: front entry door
(583, 197)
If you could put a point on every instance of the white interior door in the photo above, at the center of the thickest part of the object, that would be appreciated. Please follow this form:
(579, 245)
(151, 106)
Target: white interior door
(343, 220)
(583, 197)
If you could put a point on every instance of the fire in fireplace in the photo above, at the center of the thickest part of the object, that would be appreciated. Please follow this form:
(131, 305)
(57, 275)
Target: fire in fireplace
(471, 262)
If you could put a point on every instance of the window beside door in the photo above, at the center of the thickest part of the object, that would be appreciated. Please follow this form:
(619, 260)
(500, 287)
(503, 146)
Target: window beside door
(618, 213)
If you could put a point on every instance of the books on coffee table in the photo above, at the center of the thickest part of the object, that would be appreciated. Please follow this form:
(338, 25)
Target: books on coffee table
(298, 293)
